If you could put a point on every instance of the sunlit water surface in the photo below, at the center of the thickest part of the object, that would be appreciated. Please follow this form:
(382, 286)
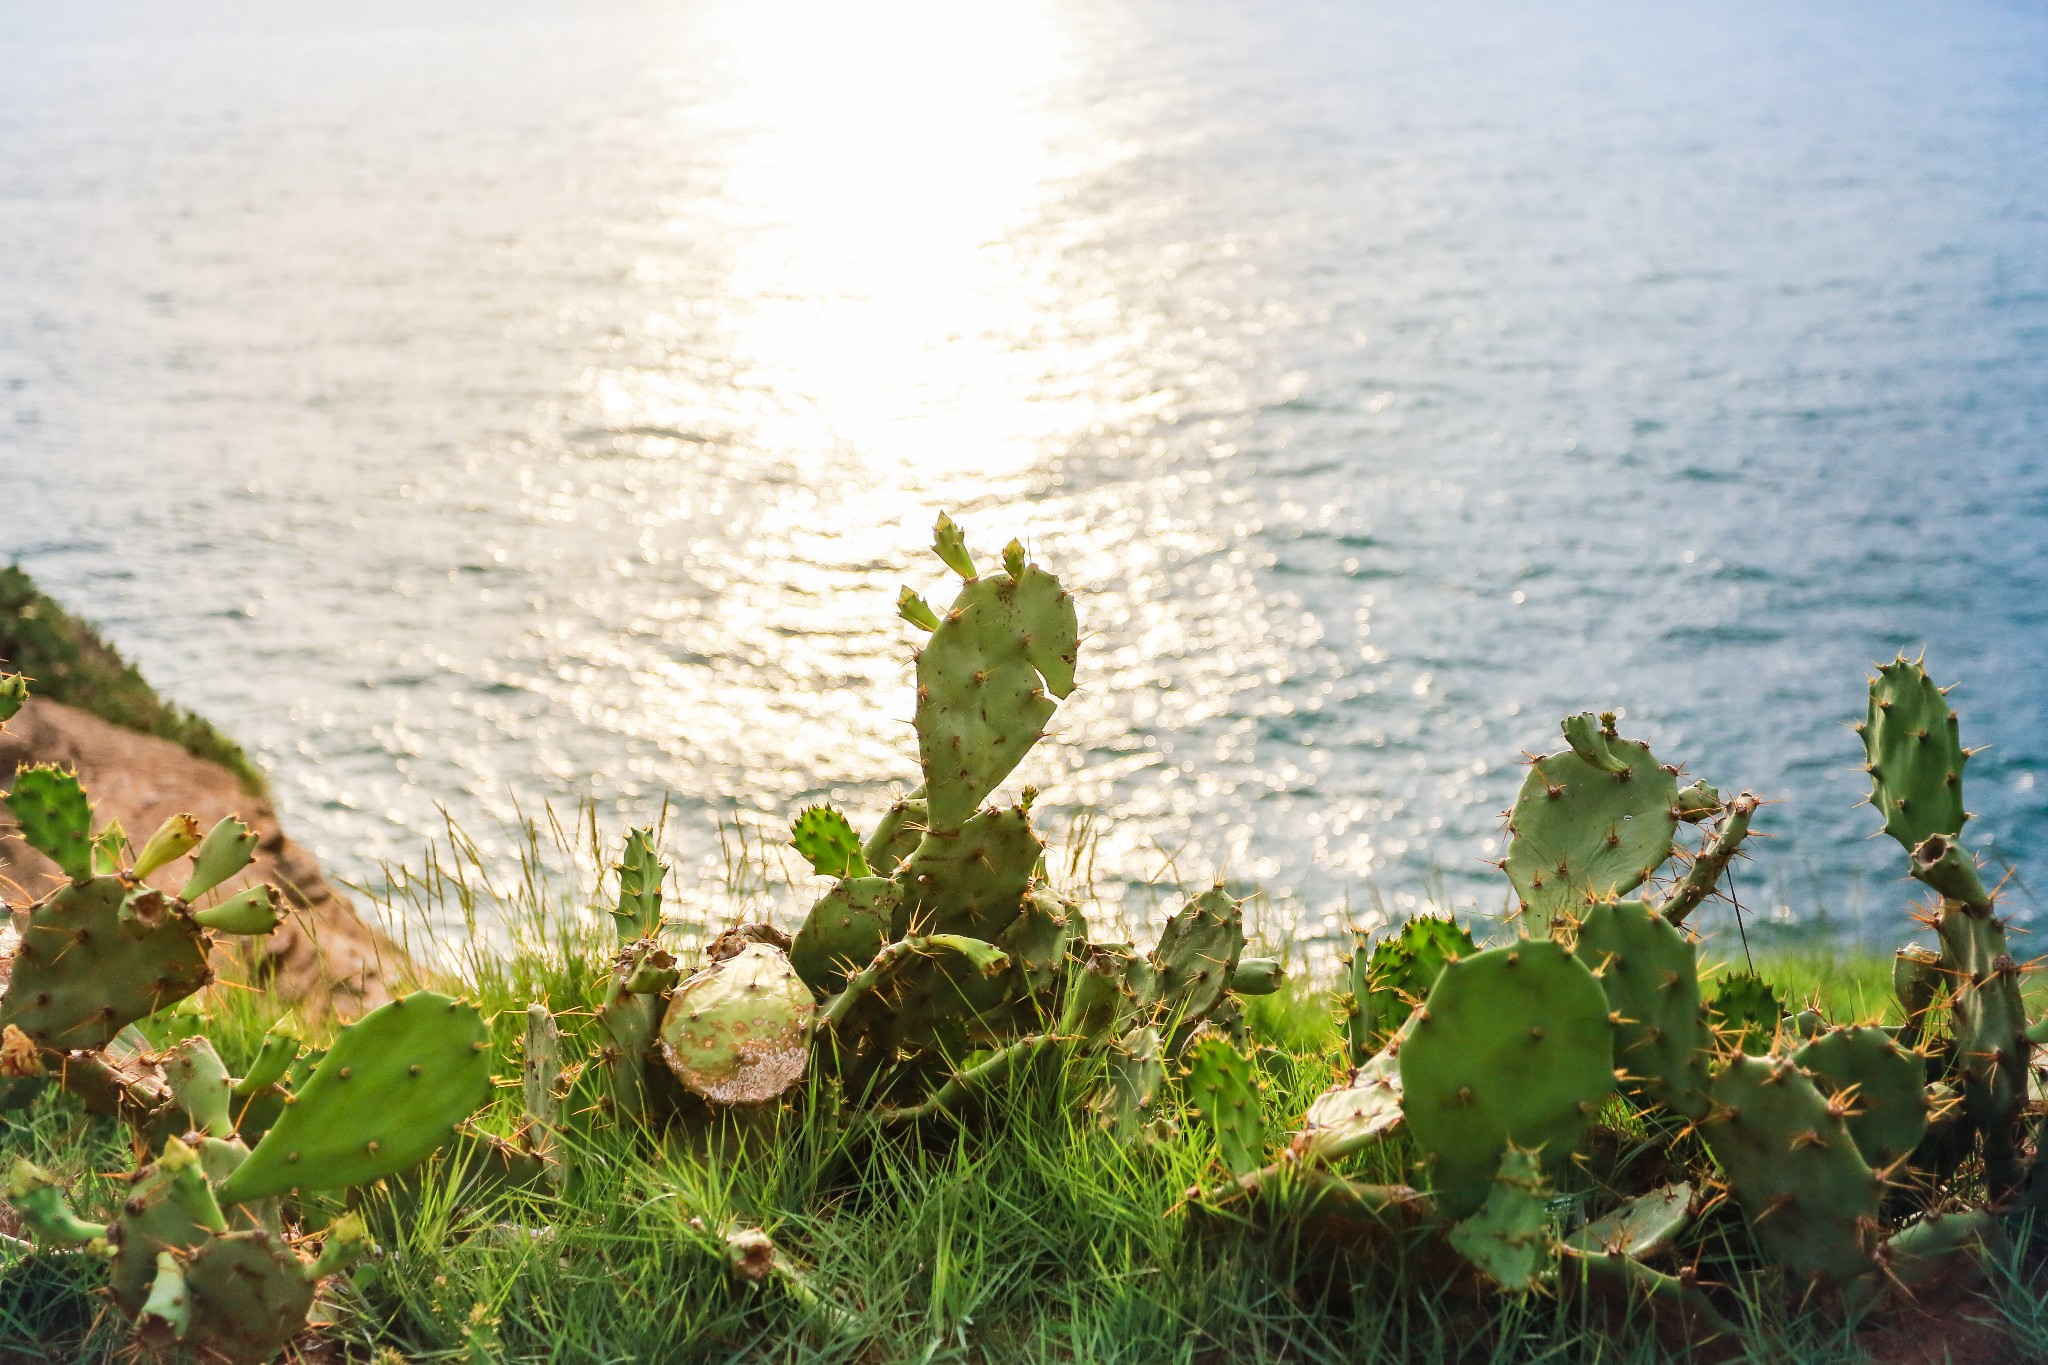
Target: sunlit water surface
(477, 409)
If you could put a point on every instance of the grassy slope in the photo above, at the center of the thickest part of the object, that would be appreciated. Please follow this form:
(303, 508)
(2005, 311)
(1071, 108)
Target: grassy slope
(1025, 1239)
(68, 662)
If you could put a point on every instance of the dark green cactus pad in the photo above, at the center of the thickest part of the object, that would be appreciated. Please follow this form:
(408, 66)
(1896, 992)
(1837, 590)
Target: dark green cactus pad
(1650, 971)
(971, 879)
(1812, 1202)
(896, 835)
(153, 1218)
(390, 1090)
(249, 1297)
(987, 682)
(1098, 1001)
(1037, 941)
(739, 1031)
(844, 931)
(1192, 966)
(825, 839)
(1224, 1090)
(641, 872)
(1134, 1073)
(1513, 1045)
(1745, 1014)
(1913, 751)
(1917, 979)
(55, 817)
(1944, 1249)
(1645, 1226)
(1402, 972)
(1882, 1086)
(627, 1022)
(1580, 835)
(85, 970)
(1509, 1240)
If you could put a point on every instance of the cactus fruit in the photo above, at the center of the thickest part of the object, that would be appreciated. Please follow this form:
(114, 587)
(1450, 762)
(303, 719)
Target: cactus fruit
(1584, 831)
(174, 838)
(1650, 972)
(1789, 1156)
(988, 679)
(389, 1091)
(1882, 1086)
(1513, 1045)
(1646, 1226)
(738, 1032)
(845, 929)
(1509, 1240)
(827, 842)
(1745, 1014)
(1224, 1090)
(227, 848)
(1258, 976)
(55, 817)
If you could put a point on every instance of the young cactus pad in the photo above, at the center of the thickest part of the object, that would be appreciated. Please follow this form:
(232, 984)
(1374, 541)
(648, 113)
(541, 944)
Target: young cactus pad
(55, 818)
(827, 842)
(1914, 754)
(1223, 1088)
(390, 1090)
(1509, 1240)
(1884, 1085)
(738, 1032)
(988, 679)
(1513, 1045)
(1583, 833)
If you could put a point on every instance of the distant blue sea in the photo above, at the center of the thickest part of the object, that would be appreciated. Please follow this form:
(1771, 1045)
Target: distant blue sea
(484, 406)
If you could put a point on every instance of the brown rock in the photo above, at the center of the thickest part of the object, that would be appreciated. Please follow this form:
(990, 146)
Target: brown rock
(322, 958)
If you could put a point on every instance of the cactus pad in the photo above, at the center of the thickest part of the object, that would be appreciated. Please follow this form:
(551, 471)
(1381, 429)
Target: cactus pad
(969, 879)
(1581, 834)
(1745, 1014)
(987, 682)
(738, 1032)
(1650, 972)
(1811, 1200)
(1509, 1240)
(1646, 1226)
(1124, 1103)
(827, 842)
(389, 1091)
(1913, 748)
(1365, 1108)
(86, 969)
(1196, 957)
(55, 817)
(200, 1085)
(896, 835)
(638, 913)
(249, 1297)
(1402, 971)
(1513, 1045)
(1224, 1090)
(844, 930)
(1883, 1087)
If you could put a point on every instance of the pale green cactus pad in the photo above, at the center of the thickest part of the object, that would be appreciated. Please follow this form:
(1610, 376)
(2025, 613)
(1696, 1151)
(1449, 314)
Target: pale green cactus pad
(738, 1032)
(1582, 833)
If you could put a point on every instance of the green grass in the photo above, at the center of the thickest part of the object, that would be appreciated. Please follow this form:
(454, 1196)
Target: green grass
(1025, 1236)
(67, 661)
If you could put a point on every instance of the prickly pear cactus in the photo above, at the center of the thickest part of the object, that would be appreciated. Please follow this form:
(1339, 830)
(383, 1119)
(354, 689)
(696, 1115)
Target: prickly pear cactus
(1914, 754)
(1788, 1154)
(1880, 1087)
(738, 1032)
(1646, 1226)
(1592, 822)
(827, 842)
(1745, 1014)
(989, 678)
(1650, 971)
(896, 835)
(1124, 1103)
(390, 1091)
(970, 878)
(1362, 1110)
(1399, 976)
(844, 930)
(1191, 968)
(55, 817)
(13, 695)
(1224, 1091)
(1513, 1046)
